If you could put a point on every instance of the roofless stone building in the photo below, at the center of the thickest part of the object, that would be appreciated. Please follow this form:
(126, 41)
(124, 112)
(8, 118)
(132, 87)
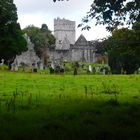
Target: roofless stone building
(66, 48)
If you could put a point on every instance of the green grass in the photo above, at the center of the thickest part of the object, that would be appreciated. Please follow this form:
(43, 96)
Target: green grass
(67, 107)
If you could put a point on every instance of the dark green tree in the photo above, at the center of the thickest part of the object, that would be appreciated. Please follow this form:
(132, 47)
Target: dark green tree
(114, 13)
(11, 37)
(123, 49)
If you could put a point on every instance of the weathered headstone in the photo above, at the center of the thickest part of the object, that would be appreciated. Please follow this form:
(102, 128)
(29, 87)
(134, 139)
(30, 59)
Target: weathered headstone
(41, 67)
(16, 67)
(23, 66)
(104, 71)
(75, 71)
(90, 68)
(2, 62)
(12, 67)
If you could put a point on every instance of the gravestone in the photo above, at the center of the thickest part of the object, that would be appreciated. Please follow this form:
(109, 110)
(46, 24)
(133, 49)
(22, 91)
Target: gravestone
(41, 67)
(2, 62)
(90, 68)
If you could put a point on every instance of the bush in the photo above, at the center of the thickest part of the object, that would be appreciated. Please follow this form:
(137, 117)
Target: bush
(3, 67)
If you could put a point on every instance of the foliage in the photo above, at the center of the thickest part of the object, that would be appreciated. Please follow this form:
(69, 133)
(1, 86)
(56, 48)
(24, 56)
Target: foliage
(3, 67)
(11, 39)
(41, 37)
(112, 12)
(123, 51)
(99, 46)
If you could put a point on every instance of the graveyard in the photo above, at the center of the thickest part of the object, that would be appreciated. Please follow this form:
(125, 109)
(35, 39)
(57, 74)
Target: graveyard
(61, 83)
(66, 106)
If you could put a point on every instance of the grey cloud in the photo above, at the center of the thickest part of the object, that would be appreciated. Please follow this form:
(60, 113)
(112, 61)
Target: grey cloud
(44, 11)
(65, 8)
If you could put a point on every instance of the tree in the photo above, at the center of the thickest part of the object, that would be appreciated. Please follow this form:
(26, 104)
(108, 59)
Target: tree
(99, 46)
(11, 39)
(123, 51)
(41, 37)
(113, 13)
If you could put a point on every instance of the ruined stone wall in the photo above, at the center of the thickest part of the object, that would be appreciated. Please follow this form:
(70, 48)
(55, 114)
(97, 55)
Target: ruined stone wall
(66, 48)
(82, 50)
(29, 56)
(83, 55)
(59, 55)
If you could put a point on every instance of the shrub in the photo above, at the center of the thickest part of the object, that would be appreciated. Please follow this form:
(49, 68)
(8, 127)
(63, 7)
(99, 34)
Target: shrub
(3, 67)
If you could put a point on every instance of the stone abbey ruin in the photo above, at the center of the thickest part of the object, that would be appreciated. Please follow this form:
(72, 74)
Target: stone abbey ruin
(65, 47)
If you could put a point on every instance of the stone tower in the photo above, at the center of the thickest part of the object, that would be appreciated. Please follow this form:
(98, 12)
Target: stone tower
(64, 30)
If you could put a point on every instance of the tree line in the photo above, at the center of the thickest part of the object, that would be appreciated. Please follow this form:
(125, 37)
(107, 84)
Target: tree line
(12, 42)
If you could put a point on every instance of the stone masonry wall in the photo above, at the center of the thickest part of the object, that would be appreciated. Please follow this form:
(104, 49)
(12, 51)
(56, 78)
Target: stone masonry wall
(64, 29)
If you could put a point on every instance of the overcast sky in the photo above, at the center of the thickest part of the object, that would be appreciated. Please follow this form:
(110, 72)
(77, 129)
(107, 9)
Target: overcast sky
(37, 12)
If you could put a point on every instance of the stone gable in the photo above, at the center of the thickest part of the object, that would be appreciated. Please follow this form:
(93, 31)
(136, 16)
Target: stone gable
(29, 57)
(81, 41)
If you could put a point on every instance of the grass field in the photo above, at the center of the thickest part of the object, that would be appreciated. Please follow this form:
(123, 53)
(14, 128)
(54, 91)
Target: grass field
(67, 107)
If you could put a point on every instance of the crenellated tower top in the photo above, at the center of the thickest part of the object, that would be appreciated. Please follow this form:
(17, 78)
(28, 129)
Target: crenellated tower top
(64, 29)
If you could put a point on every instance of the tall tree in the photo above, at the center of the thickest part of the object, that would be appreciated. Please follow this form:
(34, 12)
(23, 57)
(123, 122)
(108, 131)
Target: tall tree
(11, 39)
(123, 51)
